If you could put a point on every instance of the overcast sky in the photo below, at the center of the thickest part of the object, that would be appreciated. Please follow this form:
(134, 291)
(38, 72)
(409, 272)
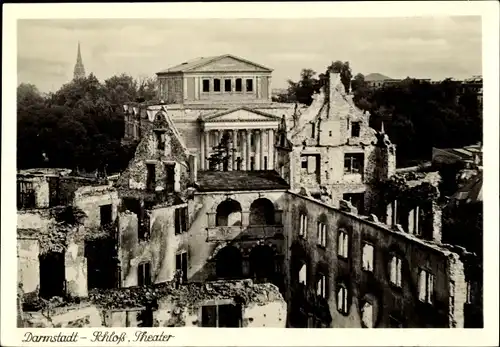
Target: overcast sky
(431, 47)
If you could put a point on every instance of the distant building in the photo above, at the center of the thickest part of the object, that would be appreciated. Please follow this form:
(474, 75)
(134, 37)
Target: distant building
(79, 71)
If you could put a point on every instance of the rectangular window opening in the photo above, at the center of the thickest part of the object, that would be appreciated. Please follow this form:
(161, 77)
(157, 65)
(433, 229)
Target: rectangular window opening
(353, 163)
(216, 85)
(206, 86)
(106, 214)
(227, 85)
(355, 129)
(238, 85)
(249, 85)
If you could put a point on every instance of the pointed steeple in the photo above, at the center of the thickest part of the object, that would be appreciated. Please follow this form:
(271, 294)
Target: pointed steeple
(79, 71)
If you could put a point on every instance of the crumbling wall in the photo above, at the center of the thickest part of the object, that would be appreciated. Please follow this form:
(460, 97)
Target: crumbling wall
(415, 253)
(84, 316)
(28, 265)
(89, 200)
(159, 249)
(75, 265)
(200, 251)
(270, 315)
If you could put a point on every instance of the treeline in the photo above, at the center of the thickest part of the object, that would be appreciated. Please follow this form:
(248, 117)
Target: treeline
(416, 115)
(78, 127)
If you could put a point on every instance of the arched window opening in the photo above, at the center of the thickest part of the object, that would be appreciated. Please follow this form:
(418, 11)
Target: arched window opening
(229, 263)
(228, 213)
(367, 315)
(261, 212)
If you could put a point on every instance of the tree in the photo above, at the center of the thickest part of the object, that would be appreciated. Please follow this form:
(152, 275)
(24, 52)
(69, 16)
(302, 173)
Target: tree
(345, 72)
(221, 154)
(146, 88)
(28, 94)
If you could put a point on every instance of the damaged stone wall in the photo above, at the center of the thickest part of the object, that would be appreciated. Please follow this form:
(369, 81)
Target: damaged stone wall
(159, 249)
(28, 265)
(147, 152)
(372, 286)
(262, 305)
(201, 253)
(332, 117)
(77, 316)
(42, 225)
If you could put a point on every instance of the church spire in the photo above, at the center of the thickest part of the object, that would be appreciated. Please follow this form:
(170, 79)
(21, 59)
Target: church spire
(79, 71)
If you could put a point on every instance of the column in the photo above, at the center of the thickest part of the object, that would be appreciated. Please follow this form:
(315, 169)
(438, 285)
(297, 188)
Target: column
(249, 148)
(230, 147)
(236, 149)
(270, 157)
(202, 150)
(207, 149)
(258, 149)
(243, 146)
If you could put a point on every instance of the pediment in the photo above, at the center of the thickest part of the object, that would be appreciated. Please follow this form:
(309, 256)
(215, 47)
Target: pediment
(241, 115)
(229, 63)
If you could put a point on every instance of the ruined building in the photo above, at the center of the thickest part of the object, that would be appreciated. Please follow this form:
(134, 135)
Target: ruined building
(233, 215)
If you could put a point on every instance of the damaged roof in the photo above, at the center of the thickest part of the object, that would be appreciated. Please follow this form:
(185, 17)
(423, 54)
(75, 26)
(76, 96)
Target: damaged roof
(209, 181)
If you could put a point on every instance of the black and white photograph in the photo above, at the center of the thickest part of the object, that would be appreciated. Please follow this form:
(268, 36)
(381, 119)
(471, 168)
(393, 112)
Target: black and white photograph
(314, 173)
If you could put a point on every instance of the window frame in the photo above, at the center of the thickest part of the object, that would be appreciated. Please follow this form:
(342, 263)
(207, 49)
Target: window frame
(371, 261)
(226, 90)
(356, 129)
(322, 234)
(249, 83)
(352, 158)
(303, 220)
(429, 286)
(203, 85)
(343, 247)
(397, 280)
(344, 308)
(181, 220)
(217, 80)
(145, 274)
(321, 286)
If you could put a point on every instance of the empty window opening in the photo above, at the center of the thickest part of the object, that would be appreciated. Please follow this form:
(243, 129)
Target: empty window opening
(342, 303)
(181, 264)
(227, 85)
(102, 266)
(151, 176)
(249, 85)
(238, 86)
(355, 129)
(303, 225)
(321, 234)
(238, 163)
(265, 162)
(252, 163)
(221, 316)
(343, 245)
(160, 140)
(353, 163)
(367, 315)
(25, 195)
(367, 257)
(357, 200)
(262, 264)
(261, 212)
(303, 274)
(426, 286)
(321, 286)
(216, 85)
(181, 220)
(313, 130)
(170, 178)
(228, 213)
(52, 275)
(396, 271)
(144, 318)
(144, 274)
(229, 263)
(106, 214)
(206, 86)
